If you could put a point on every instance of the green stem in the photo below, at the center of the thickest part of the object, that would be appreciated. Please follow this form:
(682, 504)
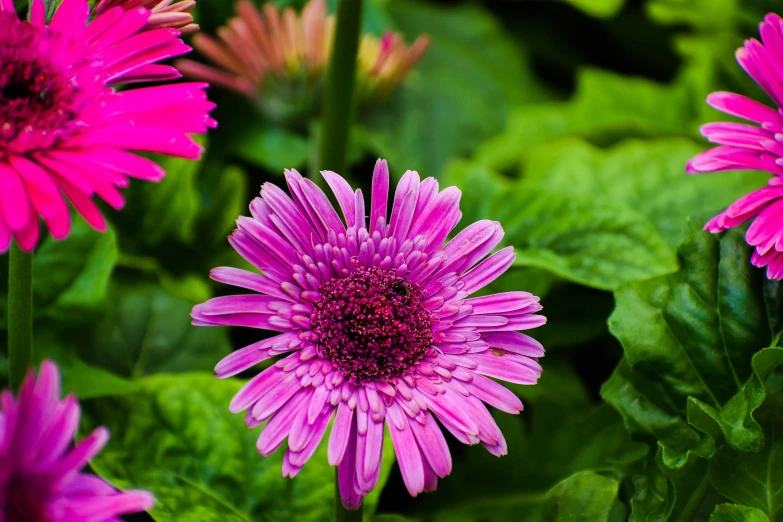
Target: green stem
(695, 498)
(20, 315)
(338, 105)
(342, 514)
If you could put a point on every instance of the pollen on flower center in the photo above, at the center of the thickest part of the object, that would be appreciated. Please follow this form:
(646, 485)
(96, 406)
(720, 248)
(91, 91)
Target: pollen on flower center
(33, 94)
(372, 325)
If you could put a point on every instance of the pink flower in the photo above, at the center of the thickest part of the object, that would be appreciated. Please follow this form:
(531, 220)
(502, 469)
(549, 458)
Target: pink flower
(258, 51)
(40, 478)
(758, 147)
(375, 325)
(163, 13)
(66, 133)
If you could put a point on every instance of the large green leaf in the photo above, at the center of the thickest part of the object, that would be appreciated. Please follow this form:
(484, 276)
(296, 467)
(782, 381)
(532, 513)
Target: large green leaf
(587, 240)
(472, 75)
(174, 436)
(735, 513)
(605, 108)
(584, 497)
(755, 479)
(645, 175)
(147, 329)
(171, 206)
(584, 240)
(273, 148)
(84, 380)
(710, 15)
(598, 8)
(690, 336)
(71, 277)
(659, 493)
(735, 418)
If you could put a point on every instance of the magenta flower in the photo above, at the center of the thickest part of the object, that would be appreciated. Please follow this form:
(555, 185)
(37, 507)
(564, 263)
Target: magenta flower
(40, 479)
(743, 146)
(378, 327)
(163, 13)
(65, 132)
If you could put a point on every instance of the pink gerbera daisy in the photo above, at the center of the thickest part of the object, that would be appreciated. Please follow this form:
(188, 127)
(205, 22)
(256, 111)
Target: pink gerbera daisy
(163, 13)
(759, 147)
(378, 327)
(65, 132)
(40, 478)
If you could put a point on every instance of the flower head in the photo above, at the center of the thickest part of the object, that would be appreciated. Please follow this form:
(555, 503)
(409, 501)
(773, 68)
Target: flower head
(163, 13)
(66, 132)
(376, 327)
(278, 57)
(40, 471)
(759, 147)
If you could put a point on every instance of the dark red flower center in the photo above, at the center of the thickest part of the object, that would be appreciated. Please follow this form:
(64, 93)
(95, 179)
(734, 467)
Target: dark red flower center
(34, 94)
(25, 501)
(372, 325)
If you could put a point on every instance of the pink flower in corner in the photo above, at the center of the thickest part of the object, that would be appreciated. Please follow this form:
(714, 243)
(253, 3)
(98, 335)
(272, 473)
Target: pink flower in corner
(758, 147)
(40, 470)
(66, 133)
(376, 327)
(163, 13)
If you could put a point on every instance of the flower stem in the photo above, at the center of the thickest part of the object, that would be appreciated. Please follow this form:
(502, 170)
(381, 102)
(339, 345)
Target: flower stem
(342, 514)
(338, 104)
(20, 315)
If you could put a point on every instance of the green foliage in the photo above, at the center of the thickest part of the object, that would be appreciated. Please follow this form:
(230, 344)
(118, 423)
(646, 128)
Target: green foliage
(606, 107)
(734, 513)
(147, 330)
(581, 497)
(643, 175)
(273, 148)
(688, 339)
(754, 479)
(173, 435)
(598, 8)
(460, 92)
(587, 240)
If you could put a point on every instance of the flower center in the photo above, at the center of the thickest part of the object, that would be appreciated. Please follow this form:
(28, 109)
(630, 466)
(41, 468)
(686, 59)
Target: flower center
(371, 325)
(34, 94)
(24, 501)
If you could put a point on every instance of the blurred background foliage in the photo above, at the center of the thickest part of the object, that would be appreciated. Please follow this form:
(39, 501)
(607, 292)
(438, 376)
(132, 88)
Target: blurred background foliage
(568, 121)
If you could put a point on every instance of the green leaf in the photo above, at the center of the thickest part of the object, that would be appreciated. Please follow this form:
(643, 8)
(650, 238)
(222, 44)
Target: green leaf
(605, 108)
(272, 148)
(561, 432)
(171, 206)
(711, 15)
(660, 493)
(146, 329)
(735, 513)
(754, 479)
(598, 8)
(587, 240)
(83, 380)
(221, 205)
(584, 497)
(584, 240)
(175, 437)
(472, 75)
(735, 418)
(71, 277)
(690, 336)
(643, 175)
